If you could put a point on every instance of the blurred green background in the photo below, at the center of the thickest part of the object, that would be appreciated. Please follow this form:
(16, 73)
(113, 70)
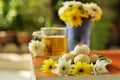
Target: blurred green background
(19, 18)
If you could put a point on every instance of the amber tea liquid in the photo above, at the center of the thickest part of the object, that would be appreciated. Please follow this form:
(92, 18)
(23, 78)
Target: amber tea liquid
(56, 45)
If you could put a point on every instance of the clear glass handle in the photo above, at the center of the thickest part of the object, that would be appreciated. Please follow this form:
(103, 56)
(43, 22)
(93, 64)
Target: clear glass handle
(36, 35)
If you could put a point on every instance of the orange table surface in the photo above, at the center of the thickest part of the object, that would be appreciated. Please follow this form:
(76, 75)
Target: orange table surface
(114, 67)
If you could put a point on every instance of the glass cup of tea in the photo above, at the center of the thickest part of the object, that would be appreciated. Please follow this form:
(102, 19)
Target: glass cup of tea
(55, 40)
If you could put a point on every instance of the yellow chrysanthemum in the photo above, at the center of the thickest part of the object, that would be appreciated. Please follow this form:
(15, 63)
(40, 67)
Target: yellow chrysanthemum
(48, 65)
(63, 17)
(82, 68)
(81, 11)
(75, 19)
(84, 14)
(98, 16)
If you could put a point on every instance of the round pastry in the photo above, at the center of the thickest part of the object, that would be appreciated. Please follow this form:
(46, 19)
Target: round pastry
(72, 52)
(82, 58)
(68, 56)
(81, 49)
(93, 58)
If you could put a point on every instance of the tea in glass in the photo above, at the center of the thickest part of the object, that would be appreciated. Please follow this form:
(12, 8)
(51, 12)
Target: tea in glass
(56, 45)
(55, 40)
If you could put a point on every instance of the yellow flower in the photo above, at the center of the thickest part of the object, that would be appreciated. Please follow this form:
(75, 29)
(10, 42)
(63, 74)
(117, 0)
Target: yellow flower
(82, 68)
(64, 17)
(75, 19)
(83, 13)
(98, 17)
(48, 65)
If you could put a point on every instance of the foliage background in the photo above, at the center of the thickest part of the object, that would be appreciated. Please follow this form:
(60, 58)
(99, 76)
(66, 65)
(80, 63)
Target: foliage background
(31, 15)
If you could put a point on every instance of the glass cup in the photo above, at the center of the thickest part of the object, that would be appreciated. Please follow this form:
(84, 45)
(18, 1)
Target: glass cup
(55, 40)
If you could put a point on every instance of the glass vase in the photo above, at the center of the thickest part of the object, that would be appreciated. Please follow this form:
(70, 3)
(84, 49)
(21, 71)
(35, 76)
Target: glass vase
(79, 34)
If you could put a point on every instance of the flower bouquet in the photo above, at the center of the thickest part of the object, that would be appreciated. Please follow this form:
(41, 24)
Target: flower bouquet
(78, 17)
(73, 12)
